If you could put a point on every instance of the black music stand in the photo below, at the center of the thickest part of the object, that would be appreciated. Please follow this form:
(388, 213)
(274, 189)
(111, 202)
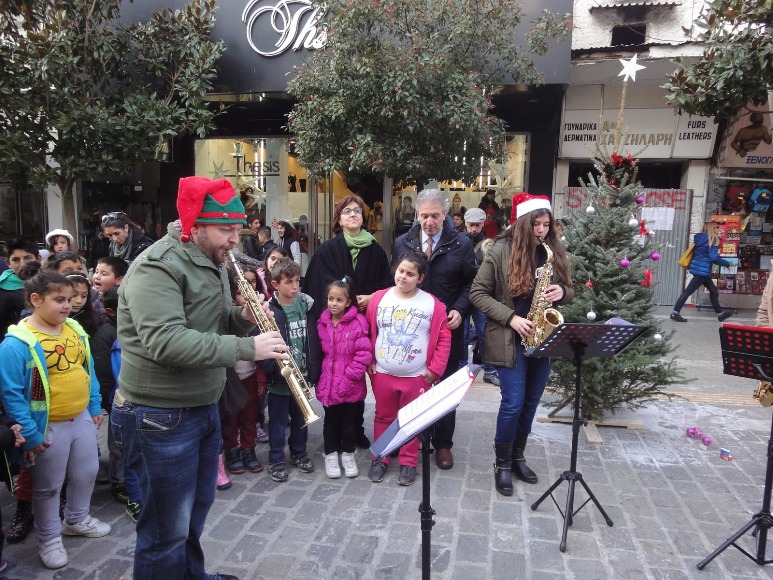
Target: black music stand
(578, 341)
(746, 352)
(432, 406)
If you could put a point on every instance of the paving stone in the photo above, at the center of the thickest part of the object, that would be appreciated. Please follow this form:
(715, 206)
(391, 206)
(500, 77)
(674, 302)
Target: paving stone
(472, 548)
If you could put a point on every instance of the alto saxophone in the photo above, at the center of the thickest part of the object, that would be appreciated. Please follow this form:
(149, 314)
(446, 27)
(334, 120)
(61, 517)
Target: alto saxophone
(545, 319)
(299, 388)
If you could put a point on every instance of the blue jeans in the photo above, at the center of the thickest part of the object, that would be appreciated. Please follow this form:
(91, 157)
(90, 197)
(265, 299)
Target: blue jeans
(521, 387)
(476, 334)
(174, 454)
(695, 283)
(282, 408)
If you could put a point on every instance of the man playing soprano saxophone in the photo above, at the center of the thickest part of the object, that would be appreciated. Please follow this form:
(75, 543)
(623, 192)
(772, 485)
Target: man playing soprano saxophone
(179, 330)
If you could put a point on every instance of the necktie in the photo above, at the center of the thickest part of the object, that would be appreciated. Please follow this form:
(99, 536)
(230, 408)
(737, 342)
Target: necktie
(428, 251)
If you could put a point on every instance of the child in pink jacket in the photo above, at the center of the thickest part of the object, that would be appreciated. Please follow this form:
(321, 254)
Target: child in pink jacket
(343, 336)
(411, 344)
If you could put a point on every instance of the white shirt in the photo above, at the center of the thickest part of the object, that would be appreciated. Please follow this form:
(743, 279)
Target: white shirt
(404, 326)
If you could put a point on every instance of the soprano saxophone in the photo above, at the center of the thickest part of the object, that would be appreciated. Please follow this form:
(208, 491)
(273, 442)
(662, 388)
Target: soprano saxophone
(545, 319)
(299, 388)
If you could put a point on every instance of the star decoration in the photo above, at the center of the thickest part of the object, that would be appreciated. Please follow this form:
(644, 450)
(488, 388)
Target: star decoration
(219, 172)
(629, 68)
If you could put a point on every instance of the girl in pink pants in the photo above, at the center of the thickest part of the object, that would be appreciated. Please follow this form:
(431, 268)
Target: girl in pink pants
(411, 344)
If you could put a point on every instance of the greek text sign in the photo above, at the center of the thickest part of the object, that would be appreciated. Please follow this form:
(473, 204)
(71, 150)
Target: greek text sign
(647, 134)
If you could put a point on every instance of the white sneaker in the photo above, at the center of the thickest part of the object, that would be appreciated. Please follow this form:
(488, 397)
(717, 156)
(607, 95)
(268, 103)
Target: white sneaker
(332, 469)
(350, 465)
(90, 527)
(52, 553)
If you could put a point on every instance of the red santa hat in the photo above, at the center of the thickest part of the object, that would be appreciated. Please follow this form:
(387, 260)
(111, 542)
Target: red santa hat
(524, 203)
(201, 200)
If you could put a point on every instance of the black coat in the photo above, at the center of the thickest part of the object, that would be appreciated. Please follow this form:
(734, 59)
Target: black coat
(101, 344)
(332, 261)
(251, 246)
(451, 272)
(11, 305)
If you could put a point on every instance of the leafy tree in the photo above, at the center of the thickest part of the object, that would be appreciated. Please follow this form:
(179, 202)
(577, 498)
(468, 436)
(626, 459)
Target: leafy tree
(403, 87)
(599, 244)
(736, 66)
(82, 96)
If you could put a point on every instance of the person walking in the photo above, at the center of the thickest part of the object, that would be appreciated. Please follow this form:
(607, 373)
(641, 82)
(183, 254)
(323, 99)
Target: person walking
(504, 290)
(179, 329)
(706, 253)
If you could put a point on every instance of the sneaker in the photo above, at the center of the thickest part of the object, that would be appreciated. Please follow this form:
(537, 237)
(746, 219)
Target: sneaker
(724, 316)
(250, 461)
(491, 378)
(350, 465)
(217, 576)
(133, 509)
(363, 442)
(277, 471)
(233, 461)
(302, 462)
(262, 435)
(407, 475)
(52, 553)
(22, 522)
(90, 527)
(119, 492)
(3, 565)
(223, 481)
(332, 468)
(678, 317)
(377, 471)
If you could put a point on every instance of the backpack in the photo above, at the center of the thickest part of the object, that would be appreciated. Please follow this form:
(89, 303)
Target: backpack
(760, 200)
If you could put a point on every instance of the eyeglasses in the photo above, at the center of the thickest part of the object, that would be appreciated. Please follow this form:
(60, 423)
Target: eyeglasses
(351, 210)
(113, 216)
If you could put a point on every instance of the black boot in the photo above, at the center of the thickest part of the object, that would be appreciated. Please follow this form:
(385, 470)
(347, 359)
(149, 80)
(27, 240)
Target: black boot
(520, 469)
(503, 477)
(22, 522)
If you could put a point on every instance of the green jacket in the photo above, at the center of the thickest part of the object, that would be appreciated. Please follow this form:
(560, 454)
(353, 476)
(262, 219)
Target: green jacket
(178, 327)
(490, 295)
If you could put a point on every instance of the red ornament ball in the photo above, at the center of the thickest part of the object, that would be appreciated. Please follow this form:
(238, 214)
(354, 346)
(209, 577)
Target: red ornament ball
(655, 256)
(589, 284)
(625, 262)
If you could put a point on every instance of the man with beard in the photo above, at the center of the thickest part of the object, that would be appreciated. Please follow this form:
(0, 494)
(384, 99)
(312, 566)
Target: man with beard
(179, 329)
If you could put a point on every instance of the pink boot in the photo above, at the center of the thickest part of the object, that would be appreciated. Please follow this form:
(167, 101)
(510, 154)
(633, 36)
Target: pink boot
(223, 481)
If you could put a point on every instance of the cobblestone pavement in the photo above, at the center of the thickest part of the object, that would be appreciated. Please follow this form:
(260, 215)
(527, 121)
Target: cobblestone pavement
(672, 502)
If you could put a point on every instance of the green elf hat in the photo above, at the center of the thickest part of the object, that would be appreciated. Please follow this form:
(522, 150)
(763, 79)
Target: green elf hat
(201, 200)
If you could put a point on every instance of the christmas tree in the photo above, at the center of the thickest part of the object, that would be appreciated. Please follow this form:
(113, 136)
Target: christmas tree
(613, 263)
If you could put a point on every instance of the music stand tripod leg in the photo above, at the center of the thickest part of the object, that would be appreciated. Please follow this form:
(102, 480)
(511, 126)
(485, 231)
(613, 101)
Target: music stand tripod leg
(425, 508)
(762, 521)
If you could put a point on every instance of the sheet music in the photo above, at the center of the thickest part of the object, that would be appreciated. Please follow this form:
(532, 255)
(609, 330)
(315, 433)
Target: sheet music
(425, 410)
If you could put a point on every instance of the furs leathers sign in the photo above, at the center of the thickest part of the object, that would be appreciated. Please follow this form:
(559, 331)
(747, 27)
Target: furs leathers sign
(265, 39)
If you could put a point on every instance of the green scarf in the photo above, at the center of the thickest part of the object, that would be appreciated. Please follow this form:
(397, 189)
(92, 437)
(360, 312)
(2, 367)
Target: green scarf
(355, 244)
(10, 281)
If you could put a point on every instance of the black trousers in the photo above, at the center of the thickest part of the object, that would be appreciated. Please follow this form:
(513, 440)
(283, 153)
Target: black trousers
(340, 428)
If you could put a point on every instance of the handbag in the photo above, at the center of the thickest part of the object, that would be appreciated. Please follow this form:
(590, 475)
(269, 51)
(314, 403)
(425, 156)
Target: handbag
(686, 259)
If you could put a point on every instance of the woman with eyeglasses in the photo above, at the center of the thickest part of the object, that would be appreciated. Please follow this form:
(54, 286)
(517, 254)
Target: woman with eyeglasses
(126, 239)
(354, 252)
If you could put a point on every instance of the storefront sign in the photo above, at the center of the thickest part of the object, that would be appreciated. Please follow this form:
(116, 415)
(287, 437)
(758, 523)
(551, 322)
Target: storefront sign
(750, 140)
(295, 26)
(265, 39)
(647, 134)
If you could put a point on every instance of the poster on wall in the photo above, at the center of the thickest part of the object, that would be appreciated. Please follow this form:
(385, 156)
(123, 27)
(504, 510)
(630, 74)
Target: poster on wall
(749, 140)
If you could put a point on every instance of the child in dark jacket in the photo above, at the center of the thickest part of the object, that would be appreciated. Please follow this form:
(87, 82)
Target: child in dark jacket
(291, 312)
(10, 437)
(343, 336)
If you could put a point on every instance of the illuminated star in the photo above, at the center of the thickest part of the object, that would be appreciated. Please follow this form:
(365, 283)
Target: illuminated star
(219, 171)
(629, 68)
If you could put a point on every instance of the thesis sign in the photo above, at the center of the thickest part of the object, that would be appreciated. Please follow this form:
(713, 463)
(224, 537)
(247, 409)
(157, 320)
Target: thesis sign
(293, 22)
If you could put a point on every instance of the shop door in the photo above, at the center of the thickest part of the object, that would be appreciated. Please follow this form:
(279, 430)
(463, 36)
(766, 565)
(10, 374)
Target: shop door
(667, 213)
